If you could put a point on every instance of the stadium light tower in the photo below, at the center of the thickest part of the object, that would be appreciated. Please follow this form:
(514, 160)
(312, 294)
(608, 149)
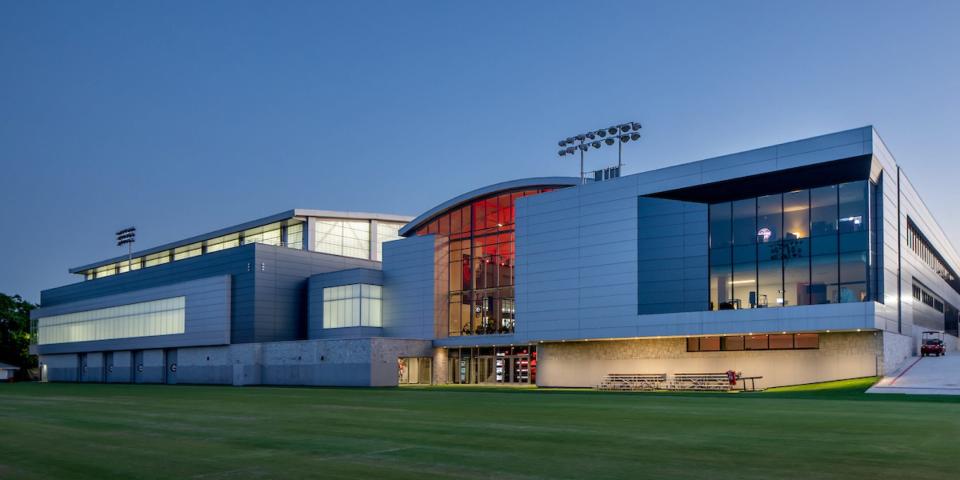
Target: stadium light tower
(126, 237)
(616, 134)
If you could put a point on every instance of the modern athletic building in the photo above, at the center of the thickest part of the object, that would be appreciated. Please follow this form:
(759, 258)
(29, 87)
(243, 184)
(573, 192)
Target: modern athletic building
(806, 261)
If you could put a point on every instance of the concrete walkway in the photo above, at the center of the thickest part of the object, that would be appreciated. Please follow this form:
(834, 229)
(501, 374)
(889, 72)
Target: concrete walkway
(924, 376)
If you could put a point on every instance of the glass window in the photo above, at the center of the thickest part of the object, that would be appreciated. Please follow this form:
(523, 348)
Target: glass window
(796, 272)
(156, 317)
(853, 277)
(825, 270)
(223, 243)
(769, 218)
(770, 287)
(796, 214)
(157, 258)
(105, 271)
(387, 232)
(128, 265)
(823, 211)
(853, 207)
(187, 251)
(745, 222)
(721, 233)
(267, 234)
(295, 236)
(343, 237)
(358, 305)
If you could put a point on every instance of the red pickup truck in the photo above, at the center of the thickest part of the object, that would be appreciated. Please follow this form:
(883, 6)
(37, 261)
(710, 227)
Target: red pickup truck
(932, 344)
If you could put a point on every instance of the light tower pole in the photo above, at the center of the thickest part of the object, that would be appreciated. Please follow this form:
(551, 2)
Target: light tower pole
(618, 134)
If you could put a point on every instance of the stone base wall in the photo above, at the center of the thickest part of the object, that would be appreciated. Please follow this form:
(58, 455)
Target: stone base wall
(897, 350)
(331, 362)
(584, 364)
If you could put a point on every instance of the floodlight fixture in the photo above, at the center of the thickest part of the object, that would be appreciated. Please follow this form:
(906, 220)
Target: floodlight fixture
(634, 136)
(610, 141)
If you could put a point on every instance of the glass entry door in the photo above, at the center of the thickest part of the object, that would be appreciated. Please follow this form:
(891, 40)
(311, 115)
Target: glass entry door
(493, 365)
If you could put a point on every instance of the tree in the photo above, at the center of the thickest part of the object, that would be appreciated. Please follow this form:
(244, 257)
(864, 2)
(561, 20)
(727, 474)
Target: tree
(15, 333)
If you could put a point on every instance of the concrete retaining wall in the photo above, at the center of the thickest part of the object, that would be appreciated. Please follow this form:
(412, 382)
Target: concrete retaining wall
(584, 364)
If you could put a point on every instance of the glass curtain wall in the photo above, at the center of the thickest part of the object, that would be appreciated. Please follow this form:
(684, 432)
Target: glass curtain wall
(804, 247)
(481, 264)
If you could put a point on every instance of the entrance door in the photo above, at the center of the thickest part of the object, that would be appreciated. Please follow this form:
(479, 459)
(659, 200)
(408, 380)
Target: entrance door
(81, 366)
(136, 367)
(171, 373)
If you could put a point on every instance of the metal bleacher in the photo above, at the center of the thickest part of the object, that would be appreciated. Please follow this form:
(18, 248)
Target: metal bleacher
(632, 381)
(719, 382)
(700, 381)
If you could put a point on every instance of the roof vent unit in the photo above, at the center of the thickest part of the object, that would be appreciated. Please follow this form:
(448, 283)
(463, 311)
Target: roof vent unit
(608, 173)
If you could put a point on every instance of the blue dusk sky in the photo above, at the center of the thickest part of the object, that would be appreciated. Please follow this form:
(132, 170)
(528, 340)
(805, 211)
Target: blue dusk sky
(185, 117)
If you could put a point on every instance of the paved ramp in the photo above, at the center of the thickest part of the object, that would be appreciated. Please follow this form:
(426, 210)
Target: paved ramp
(924, 375)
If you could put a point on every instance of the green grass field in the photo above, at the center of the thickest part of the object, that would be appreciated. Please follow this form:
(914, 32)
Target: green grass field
(140, 431)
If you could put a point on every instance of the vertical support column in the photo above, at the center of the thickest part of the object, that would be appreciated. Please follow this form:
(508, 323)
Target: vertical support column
(309, 233)
(374, 255)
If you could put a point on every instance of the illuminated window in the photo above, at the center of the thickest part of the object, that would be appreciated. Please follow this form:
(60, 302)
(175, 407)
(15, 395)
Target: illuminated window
(157, 259)
(128, 265)
(144, 319)
(187, 251)
(223, 243)
(267, 234)
(105, 271)
(386, 232)
(295, 236)
(349, 238)
(357, 305)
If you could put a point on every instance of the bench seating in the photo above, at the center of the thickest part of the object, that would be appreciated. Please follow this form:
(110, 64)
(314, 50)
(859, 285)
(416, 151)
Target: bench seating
(632, 381)
(699, 381)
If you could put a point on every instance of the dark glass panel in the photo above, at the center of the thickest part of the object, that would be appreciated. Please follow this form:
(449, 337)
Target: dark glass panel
(720, 226)
(745, 222)
(745, 253)
(720, 292)
(853, 277)
(745, 285)
(796, 287)
(823, 281)
(693, 344)
(770, 284)
(853, 207)
(854, 242)
(721, 256)
(823, 211)
(824, 245)
(769, 218)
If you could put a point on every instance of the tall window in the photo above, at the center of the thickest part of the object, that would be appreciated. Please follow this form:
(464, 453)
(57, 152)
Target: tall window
(349, 238)
(358, 305)
(803, 247)
(480, 257)
(386, 232)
